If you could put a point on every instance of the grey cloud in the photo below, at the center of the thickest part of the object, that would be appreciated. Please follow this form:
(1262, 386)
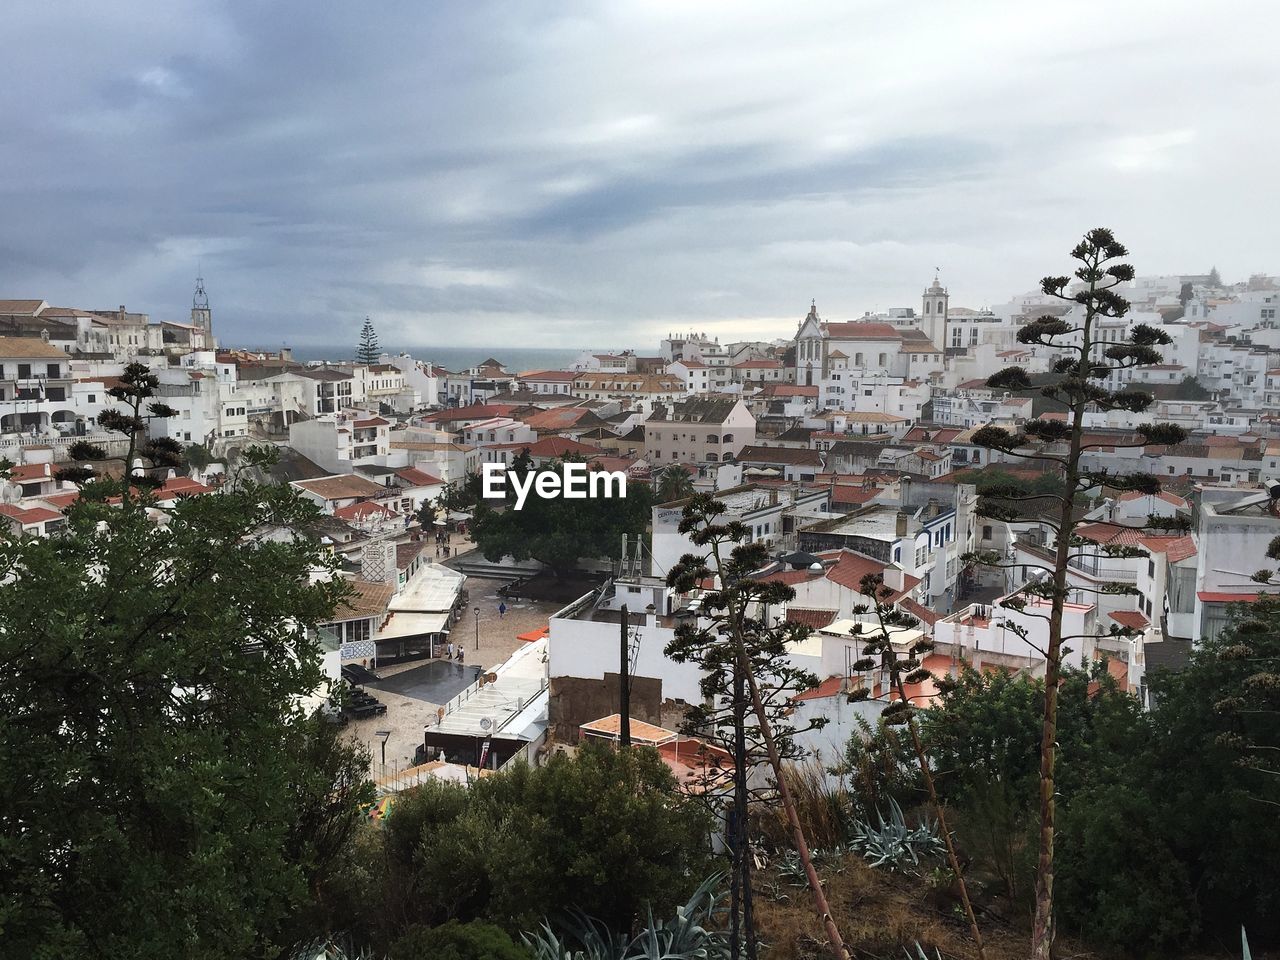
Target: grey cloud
(610, 171)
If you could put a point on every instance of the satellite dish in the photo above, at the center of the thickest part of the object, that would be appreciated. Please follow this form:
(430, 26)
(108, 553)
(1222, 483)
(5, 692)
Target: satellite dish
(486, 724)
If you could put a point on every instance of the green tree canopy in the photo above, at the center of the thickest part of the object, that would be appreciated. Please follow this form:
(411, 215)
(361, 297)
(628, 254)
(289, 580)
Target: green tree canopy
(368, 351)
(164, 792)
(560, 532)
(674, 483)
(458, 941)
(604, 831)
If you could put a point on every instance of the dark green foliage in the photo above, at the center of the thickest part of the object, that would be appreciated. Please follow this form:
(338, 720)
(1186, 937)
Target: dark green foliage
(1191, 389)
(197, 455)
(154, 454)
(603, 831)
(674, 483)
(368, 350)
(476, 940)
(163, 794)
(1166, 830)
(559, 532)
(1120, 883)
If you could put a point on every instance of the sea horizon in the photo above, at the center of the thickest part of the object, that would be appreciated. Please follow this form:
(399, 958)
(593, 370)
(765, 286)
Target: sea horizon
(515, 359)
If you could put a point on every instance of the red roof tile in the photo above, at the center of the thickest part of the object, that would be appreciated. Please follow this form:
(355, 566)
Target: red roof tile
(1131, 619)
(418, 478)
(817, 619)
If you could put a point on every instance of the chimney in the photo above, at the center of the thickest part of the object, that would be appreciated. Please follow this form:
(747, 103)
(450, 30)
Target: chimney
(894, 577)
(900, 525)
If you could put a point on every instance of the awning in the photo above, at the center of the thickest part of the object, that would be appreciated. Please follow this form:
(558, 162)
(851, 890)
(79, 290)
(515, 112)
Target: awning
(412, 625)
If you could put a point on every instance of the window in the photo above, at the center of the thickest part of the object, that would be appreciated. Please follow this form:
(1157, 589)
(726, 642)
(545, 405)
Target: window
(93, 398)
(24, 371)
(54, 371)
(986, 532)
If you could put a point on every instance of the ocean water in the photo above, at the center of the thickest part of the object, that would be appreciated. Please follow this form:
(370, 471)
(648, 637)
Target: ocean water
(516, 359)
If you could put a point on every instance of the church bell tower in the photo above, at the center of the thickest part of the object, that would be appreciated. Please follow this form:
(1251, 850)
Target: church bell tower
(934, 313)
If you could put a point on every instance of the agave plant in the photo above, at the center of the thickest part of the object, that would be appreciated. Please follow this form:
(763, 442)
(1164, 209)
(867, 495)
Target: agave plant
(920, 953)
(328, 948)
(893, 843)
(688, 936)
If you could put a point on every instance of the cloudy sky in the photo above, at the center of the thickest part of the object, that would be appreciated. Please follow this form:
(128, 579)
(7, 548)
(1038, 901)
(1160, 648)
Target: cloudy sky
(597, 174)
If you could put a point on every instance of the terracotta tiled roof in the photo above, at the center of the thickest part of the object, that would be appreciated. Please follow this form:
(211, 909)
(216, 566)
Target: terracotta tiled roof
(33, 348)
(1219, 596)
(860, 330)
(28, 514)
(30, 472)
(817, 619)
(406, 553)
(368, 599)
(919, 611)
(1180, 549)
(788, 390)
(829, 687)
(359, 511)
(340, 487)
(1130, 618)
(418, 478)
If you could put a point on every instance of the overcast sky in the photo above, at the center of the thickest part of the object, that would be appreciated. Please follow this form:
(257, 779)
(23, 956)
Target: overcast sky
(597, 174)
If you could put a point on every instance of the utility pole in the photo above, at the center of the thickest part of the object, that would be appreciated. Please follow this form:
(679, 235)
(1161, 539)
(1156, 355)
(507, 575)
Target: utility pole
(624, 687)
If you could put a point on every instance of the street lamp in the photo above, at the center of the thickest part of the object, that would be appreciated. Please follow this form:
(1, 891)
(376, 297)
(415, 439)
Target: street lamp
(477, 628)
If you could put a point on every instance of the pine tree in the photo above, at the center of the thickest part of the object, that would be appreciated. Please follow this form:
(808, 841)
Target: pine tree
(1086, 361)
(368, 351)
(749, 687)
(900, 668)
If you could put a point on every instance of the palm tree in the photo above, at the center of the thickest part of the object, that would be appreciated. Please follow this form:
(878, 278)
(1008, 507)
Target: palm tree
(674, 483)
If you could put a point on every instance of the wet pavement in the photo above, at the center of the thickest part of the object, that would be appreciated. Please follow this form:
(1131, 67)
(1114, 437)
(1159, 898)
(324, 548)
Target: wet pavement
(436, 681)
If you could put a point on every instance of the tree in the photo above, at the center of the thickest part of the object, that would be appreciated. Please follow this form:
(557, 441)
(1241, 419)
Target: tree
(165, 791)
(368, 350)
(559, 532)
(1085, 360)
(902, 667)
(145, 456)
(460, 496)
(458, 941)
(744, 658)
(1215, 278)
(674, 483)
(426, 515)
(604, 831)
(197, 456)
(1191, 389)
(1215, 739)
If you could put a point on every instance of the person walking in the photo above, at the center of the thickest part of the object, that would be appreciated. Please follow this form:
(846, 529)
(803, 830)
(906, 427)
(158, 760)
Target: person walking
(450, 649)
(502, 610)
(460, 652)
